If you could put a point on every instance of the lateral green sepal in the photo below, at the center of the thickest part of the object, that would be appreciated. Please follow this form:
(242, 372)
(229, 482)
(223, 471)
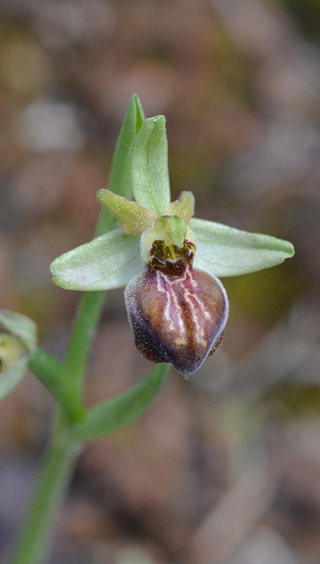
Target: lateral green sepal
(225, 251)
(107, 262)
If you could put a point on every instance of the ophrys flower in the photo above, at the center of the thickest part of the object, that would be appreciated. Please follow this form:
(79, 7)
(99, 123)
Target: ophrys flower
(168, 260)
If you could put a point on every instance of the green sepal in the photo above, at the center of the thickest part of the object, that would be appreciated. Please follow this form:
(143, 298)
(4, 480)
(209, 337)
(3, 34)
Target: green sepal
(149, 166)
(120, 175)
(114, 414)
(225, 251)
(107, 262)
(20, 326)
(133, 218)
(183, 206)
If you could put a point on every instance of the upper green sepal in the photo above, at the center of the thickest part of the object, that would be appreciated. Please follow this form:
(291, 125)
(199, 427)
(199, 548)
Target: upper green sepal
(107, 262)
(149, 166)
(225, 251)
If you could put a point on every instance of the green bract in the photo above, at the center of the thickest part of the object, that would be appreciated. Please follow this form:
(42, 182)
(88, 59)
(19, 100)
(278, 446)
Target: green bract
(155, 234)
(114, 414)
(120, 174)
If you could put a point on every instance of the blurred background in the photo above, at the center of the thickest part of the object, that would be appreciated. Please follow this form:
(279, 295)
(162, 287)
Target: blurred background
(223, 469)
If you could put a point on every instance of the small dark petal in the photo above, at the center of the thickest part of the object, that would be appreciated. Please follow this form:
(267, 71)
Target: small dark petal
(177, 319)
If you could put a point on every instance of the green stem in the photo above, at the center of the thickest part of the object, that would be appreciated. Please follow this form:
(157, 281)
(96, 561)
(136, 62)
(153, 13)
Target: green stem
(35, 538)
(88, 315)
(83, 333)
(65, 383)
(34, 542)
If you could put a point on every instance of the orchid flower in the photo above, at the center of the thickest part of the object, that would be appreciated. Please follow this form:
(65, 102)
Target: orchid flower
(168, 261)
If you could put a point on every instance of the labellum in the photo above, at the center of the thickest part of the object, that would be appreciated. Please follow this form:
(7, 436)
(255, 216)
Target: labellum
(177, 312)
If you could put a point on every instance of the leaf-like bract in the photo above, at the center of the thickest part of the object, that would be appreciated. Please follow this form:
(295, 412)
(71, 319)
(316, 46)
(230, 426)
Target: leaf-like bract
(114, 414)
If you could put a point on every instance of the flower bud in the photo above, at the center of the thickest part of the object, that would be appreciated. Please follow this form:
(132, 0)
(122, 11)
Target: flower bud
(11, 351)
(177, 313)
